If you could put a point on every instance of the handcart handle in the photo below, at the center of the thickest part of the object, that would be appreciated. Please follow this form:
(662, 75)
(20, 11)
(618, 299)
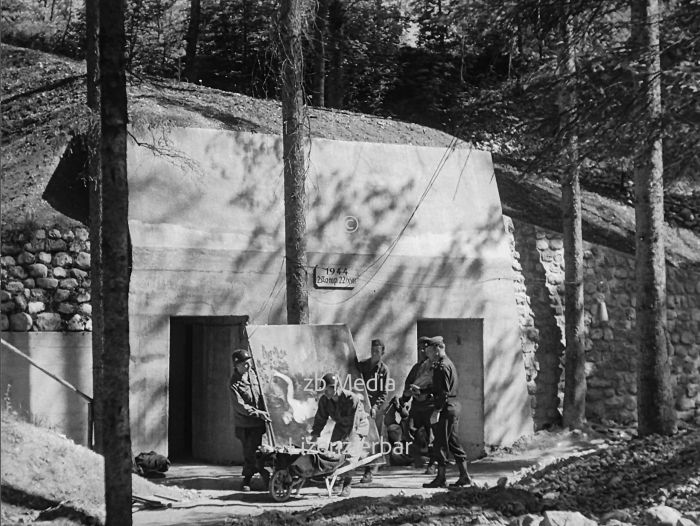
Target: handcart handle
(330, 480)
(268, 425)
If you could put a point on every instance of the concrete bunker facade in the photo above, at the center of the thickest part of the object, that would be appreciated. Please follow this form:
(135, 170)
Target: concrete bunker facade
(402, 241)
(415, 233)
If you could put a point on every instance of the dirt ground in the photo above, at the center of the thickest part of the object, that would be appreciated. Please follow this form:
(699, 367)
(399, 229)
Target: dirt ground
(605, 473)
(220, 499)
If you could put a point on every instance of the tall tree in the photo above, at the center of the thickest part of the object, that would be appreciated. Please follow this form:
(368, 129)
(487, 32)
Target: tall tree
(319, 44)
(92, 54)
(115, 251)
(335, 85)
(293, 111)
(574, 372)
(655, 411)
(192, 39)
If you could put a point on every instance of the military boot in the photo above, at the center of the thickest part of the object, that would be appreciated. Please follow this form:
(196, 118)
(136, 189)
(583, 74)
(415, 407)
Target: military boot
(439, 481)
(245, 485)
(367, 476)
(265, 475)
(464, 478)
(345, 491)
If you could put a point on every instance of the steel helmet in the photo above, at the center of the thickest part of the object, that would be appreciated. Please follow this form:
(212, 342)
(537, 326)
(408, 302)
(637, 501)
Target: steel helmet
(330, 379)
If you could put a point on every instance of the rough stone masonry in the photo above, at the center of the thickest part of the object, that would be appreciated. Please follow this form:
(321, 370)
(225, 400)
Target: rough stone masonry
(46, 280)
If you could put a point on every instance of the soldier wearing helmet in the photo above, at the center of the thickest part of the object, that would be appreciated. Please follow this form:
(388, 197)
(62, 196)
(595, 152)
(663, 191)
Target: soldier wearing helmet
(249, 416)
(351, 422)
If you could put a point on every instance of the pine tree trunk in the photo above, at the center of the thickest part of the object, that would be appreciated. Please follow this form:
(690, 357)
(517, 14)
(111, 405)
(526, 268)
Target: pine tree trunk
(655, 411)
(574, 371)
(92, 22)
(294, 165)
(115, 252)
(192, 39)
(319, 89)
(92, 54)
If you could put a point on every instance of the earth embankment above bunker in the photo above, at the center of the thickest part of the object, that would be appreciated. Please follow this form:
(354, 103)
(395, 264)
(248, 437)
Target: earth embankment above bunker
(44, 111)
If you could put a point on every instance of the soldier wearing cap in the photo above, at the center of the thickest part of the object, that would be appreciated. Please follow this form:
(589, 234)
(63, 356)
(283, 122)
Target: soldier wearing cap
(351, 423)
(375, 373)
(417, 389)
(447, 408)
(249, 416)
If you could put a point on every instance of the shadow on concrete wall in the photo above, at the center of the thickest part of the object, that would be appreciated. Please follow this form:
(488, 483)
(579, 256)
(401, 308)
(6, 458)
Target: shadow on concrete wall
(393, 291)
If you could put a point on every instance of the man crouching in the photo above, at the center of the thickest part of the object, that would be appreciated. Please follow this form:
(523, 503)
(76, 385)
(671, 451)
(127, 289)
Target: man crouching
(351, 422)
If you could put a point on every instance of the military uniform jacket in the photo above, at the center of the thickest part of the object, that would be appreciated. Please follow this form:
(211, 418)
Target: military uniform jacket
(445, 382)
(247, 400)
(347, 413)
(376, 389)
(421, 374)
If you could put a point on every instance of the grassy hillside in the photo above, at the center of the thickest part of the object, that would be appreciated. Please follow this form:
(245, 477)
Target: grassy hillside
(46, 475)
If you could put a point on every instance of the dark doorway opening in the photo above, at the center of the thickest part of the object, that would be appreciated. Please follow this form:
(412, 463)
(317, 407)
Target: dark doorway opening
(464, 343)
(200, 422)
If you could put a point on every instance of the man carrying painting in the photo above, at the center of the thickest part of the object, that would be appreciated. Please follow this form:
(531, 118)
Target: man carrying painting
(351, 423)
(249, 416)
(375, 374)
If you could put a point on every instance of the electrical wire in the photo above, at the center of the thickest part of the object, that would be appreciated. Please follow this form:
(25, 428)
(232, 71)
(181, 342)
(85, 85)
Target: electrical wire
(382, 258)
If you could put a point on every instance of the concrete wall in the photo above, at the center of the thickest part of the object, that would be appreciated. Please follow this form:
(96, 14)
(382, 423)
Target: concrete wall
(206, 220)
(34, 394)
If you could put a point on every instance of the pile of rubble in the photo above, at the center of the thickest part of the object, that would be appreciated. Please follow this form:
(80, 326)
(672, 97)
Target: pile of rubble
(629, 482)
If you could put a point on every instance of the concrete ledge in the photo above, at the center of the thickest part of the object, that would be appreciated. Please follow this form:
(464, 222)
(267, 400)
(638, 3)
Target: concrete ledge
(35, 395)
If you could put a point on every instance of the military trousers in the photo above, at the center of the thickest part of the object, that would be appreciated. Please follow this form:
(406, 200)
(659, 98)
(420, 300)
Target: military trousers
(446, 438)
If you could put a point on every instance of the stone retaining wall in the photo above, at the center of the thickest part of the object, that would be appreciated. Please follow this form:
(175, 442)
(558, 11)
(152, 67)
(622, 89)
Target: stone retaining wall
(46, 280)
(538, 299)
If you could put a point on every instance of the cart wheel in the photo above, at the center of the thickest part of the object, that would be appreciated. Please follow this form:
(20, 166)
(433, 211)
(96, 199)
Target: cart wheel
(281, 485)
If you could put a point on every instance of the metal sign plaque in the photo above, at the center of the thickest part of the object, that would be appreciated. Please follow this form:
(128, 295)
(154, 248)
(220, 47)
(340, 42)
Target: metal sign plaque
(334, 277)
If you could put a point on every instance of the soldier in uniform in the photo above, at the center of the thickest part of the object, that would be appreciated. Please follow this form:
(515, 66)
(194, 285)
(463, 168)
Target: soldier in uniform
(446, 416)
(397, 431)
(417, 389)
(351, 423)
(375, 373)
(249, 416)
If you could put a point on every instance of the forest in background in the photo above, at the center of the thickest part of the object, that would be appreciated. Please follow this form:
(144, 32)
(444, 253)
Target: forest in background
(483, 71)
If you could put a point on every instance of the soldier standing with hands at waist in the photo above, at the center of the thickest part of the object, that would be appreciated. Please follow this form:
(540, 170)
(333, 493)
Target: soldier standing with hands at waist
(249, 416)
(447, 409)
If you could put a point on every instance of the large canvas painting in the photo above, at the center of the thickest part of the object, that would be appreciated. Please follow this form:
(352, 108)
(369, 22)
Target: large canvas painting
(291, 361)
